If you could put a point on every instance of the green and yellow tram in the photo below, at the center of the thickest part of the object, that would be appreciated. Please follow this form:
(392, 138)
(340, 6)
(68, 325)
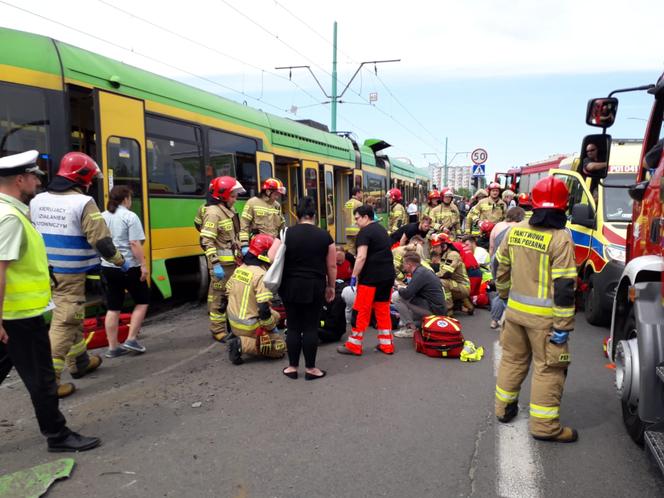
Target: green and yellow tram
(166, 140)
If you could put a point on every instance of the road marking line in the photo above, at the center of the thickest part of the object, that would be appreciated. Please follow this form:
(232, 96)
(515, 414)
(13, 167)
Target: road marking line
(517, 461)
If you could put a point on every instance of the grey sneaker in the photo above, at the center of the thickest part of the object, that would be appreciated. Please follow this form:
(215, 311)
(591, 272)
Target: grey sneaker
(133, 345)
(405, 332)
(115, 353)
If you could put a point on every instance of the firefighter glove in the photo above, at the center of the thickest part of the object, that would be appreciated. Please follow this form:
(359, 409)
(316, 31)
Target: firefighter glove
(125, 266)
(559, 336)
(264, 344)
(218, 271)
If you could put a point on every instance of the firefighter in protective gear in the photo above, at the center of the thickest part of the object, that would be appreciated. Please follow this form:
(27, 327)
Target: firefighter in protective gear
(433, 198)
(416, 245)
(398, 216)
(537, 276)
(262, 214)
(452, 273)
(353, 203)
(491, 208)
(446, 215)
(75, 235)
(252, 320)
(221, 242)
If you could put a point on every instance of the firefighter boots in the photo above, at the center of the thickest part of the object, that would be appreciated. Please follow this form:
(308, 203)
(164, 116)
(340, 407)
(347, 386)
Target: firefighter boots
(83, 367)
(566, 435)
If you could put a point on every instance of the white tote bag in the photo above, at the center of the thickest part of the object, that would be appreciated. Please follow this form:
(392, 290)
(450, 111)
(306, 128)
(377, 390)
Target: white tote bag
(272, 279)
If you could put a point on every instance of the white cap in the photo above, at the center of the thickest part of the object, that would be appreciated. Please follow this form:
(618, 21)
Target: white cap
(20, 164)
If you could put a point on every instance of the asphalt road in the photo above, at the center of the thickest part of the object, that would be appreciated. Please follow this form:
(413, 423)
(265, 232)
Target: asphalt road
(400, 426)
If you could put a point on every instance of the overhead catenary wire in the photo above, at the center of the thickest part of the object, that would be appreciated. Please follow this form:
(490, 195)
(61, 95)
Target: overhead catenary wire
(146, 56)
(314, 63)
(207, 47)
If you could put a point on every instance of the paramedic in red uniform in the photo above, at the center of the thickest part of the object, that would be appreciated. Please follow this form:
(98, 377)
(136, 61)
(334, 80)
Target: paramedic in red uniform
(373, 275)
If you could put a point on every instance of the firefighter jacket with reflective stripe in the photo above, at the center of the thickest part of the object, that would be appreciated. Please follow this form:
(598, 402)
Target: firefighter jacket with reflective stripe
(349, 217)
(398, 217)
(260, 216)
(537, 271)
(398, 254)
(452, 268)
(220, 234)
(71, 225)
(486, 209)
(445, 216)
(246, 291)
(198, 219)
(428, 211)
(28, 285)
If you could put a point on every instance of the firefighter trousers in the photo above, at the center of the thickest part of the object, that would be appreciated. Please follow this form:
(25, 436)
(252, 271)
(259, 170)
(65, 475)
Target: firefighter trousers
(520, 345)
(454, 291)
(377, 299)
(68, 347)
(218, 302)
(269, 345)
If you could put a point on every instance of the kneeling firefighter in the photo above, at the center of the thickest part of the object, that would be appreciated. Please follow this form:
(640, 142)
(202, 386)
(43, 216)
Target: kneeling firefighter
(75, 234)
(537, 276)
(453, 275)
(220, 238)
(252, 320)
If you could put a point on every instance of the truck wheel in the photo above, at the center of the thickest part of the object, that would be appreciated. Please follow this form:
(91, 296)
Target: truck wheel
(595, 314)
(630, 411)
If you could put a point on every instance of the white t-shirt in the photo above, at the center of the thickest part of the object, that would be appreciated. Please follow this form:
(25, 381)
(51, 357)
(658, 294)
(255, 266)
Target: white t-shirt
(481, 256)
(125, 226)
(412, 208)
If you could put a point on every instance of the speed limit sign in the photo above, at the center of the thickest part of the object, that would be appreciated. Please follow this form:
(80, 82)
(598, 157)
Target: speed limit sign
(479, 156)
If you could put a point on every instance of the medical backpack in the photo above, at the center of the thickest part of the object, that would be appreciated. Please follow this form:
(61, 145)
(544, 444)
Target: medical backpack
(440, 337)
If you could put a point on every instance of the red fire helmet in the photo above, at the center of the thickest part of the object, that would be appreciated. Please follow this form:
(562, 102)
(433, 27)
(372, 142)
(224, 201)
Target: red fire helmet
(260, 244)
(551, 193)
(222, 187)
(79, 168)
(433, 195)
(273, 184)
(394, 194)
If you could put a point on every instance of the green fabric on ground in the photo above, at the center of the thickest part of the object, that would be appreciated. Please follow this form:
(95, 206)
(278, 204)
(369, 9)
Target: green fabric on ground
(34, 482)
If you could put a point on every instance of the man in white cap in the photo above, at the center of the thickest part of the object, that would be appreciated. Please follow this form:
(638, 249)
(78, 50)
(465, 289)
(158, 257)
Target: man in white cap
(25, 291)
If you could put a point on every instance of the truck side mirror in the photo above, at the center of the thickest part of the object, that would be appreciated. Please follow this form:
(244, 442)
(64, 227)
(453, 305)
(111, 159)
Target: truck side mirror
(638, 191)
(583, 214)
(594, 156)
(602, 112)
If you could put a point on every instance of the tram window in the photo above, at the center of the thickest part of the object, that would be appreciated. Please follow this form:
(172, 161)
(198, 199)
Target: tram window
(329, 198)
(375, 186)
(311, 183)
(223, 147)
(24, 124)
(264, 171)
(246, 174)
(175, 158)
(124, 168)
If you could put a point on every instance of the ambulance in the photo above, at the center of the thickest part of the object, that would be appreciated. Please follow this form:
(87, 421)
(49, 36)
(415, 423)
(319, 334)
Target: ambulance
(598, 214)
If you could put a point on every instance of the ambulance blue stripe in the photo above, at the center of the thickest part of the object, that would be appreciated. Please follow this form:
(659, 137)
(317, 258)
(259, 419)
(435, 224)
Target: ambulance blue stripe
(580, 238)
(598, 247)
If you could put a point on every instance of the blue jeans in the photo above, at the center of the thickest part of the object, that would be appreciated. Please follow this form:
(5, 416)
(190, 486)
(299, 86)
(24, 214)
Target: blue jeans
(497, 306)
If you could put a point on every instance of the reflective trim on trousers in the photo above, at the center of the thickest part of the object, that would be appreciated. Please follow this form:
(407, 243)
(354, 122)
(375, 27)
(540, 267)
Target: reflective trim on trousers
(58, 365)
(506, 396)
(385, 337)
(546, 412)
(217, 317)
(77, 349)
(354, 342)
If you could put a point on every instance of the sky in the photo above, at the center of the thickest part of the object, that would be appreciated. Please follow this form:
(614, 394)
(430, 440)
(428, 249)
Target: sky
(510, 76)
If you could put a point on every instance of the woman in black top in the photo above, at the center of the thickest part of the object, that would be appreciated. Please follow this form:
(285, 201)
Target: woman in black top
(310, 271)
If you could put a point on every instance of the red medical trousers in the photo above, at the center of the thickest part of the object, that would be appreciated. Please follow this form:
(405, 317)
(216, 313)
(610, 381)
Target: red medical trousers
(368, 298)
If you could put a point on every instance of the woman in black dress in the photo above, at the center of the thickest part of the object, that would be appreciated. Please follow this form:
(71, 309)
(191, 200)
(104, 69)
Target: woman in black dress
(310, 271)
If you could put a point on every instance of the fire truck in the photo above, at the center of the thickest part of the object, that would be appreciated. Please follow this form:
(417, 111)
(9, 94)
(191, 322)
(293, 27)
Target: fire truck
(636, 344)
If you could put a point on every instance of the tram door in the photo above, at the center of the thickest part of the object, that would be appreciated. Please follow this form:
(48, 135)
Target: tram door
(121, 147)
(310, 185)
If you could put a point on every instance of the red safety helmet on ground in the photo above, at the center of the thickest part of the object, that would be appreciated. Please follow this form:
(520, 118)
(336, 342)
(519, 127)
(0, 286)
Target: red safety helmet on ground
(433, 195)
(523, 199)
(79, 168)
(259, 246)
(274, 184)
(441, 238)
(222, 187)
(493, 186)
(550, 193)
(394, 194)
(486, 226)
